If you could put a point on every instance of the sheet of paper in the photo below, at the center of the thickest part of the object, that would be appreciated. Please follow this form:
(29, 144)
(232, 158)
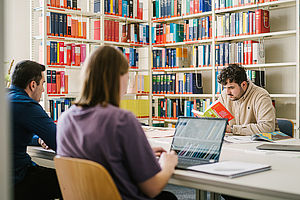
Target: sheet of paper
(158, 132)
(238, 139)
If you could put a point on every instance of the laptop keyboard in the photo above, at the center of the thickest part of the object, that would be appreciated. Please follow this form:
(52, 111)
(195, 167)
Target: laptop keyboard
(184, 162)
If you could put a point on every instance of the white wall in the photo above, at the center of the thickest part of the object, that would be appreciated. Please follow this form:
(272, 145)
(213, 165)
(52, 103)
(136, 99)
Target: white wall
(4, 133)
(16, 31)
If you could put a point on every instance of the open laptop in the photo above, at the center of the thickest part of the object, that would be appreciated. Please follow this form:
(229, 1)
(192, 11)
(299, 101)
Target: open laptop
(198, 140)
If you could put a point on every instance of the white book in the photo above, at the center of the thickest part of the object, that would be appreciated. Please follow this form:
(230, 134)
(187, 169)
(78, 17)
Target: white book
(231, 169)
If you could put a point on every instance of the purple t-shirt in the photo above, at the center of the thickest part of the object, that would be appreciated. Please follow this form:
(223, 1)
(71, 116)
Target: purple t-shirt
(112, 137)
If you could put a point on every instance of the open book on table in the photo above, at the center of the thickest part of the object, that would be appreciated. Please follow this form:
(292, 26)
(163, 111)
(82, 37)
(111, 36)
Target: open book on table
(231, 169)
(271, 136)
(217, 110)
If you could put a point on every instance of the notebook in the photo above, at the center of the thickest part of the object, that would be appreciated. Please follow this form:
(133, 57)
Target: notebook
(231, 169)
(198, 140)
(279, 147)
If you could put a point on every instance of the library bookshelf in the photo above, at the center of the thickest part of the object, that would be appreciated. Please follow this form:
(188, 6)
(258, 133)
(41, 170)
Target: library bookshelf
(94, 25)
(281, 53)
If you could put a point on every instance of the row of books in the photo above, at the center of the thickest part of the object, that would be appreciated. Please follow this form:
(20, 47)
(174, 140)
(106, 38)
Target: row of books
(170, 8)
(57, 82)
(132, 55)
(116, 31)
(181, 57)
(191, 30)
(198, 29)
(70, 54)
(138, 84)
(68, 4)
(124, 8)
(58, 106)
(173, 108)
(139, 107)
(64, 25)
(243, 23)
(246, 53)
(224, 4)
(167, 33)
(179, 83)
(257, 77)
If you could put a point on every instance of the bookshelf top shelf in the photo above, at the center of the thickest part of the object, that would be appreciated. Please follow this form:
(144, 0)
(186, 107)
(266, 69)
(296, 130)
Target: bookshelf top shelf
(269, 5)
(181, 18)
(271, 35)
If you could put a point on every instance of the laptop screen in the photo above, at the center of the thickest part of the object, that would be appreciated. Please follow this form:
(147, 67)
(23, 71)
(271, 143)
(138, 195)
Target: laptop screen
(199, 138)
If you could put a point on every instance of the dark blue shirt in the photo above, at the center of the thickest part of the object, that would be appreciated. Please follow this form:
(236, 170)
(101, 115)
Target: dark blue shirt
(28, 118)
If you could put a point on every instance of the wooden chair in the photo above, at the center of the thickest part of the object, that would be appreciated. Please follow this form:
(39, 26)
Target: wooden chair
(81, 179)
(286, 126)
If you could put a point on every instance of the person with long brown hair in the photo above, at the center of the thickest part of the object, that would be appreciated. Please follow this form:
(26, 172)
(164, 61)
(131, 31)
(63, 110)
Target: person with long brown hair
(95, 128)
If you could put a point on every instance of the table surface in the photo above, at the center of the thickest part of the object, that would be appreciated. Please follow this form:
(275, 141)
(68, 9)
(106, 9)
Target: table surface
(281, 182)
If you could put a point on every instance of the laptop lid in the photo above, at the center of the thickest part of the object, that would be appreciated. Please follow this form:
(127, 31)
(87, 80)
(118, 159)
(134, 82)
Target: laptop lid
(199, 138)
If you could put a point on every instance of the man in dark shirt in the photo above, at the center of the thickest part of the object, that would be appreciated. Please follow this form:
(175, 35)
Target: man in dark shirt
(28, 118)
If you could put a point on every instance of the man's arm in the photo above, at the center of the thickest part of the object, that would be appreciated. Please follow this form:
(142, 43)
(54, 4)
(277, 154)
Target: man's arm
(41, 124)
(265, 117)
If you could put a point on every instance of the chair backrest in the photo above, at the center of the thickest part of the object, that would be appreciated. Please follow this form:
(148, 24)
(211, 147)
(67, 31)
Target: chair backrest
(286, 126)
(84, 180)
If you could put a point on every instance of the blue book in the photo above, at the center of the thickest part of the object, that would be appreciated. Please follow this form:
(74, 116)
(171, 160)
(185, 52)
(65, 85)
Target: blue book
(147, 34)
(157, 9)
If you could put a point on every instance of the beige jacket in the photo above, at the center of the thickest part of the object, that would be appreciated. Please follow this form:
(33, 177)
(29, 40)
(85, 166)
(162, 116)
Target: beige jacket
(253, 112)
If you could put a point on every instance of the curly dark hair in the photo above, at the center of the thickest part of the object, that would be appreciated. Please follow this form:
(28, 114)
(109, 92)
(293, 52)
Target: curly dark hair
(233, 73)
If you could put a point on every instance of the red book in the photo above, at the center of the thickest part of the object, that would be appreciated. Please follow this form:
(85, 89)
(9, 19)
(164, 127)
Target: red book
(124, 37)
(58, 82)
(48, 52)
(69, 54)
(65, 3)
(113, 31)
(49, 81)
(84, 29)
(73, 54)
(262, 24)
(61, 53)
(52, 2)
(106, 30)
(66, 84)
(109, 30)
(82, 52)
(62, 82)
(117, 24)
(57, 3)
(138, 9)
(250, 53)
(53, 81)
(216, 110)
(97, 30)
(245, 52)
(48, 23)
(77, 55)
(120, 7)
